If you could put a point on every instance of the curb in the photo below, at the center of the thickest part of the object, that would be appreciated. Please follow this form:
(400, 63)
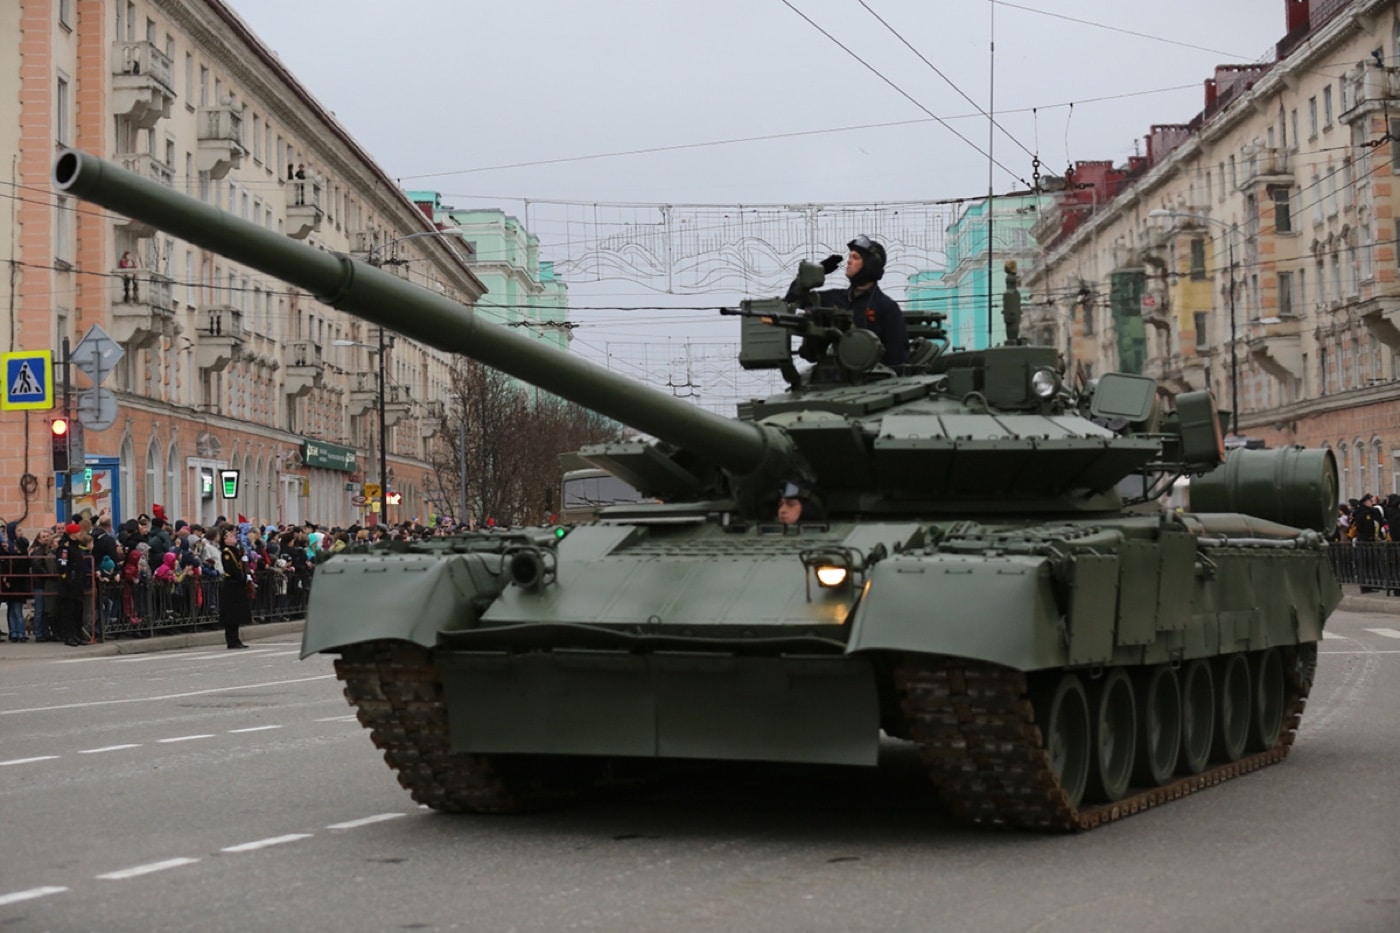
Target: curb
(211, 637)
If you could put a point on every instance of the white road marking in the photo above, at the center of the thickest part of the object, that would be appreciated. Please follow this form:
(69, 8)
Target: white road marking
(167, 696)
(25, 761)
(1327, 636)
(136, 659)
(355, 824)
(264, 843)
(109, 748)
(1387, 632)
(254, 729)
(1367, 653)
(284, 654)
(148, 868)
(186, 738)
(351, 718)
(17, 896)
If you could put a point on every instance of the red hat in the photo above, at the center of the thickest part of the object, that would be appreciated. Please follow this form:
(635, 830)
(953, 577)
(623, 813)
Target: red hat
(242, 519)
(73, 528)
(158, 511)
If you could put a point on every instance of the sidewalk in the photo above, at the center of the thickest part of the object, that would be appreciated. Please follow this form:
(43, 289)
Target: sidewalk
(211, 638)
(1353, 601)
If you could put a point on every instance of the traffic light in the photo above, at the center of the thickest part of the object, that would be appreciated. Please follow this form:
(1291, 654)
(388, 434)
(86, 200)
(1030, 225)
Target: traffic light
(59, 433)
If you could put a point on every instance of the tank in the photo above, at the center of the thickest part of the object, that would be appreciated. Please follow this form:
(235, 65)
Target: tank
(982, 567)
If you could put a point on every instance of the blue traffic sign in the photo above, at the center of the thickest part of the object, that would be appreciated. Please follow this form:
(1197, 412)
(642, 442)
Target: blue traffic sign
(28, 380)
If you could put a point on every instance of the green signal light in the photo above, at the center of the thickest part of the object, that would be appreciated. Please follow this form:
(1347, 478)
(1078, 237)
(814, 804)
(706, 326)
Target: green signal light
(560, 532)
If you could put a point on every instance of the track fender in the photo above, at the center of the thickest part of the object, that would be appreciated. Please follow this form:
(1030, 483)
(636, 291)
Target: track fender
(998, 609)
(411, 597)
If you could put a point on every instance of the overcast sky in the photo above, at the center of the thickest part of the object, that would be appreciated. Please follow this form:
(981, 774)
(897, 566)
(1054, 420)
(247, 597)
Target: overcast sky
(745, 101)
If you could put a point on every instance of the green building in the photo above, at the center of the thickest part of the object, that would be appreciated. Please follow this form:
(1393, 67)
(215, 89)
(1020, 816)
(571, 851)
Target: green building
(521, 291)
(962, 290)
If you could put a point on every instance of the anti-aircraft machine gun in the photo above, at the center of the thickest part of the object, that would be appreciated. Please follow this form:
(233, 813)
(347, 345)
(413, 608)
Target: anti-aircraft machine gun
(991, 577)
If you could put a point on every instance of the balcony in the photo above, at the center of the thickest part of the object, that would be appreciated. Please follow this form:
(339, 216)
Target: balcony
(219, 338)
(1381, 315)
(398, 404)
(143, 83)
(304, 369)
(147, 166)
(1374, 90)
(1266, 165)
(1177, 372)
(431, 419)
(142, 310)
(304, 211)
(1156, 311)
(364, 393)
(220, 140)
(1276, 344)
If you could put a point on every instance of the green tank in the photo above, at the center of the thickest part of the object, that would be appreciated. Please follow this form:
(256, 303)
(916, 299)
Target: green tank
(982, 568)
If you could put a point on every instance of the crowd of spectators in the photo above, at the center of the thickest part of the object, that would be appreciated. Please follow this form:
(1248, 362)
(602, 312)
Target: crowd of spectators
(87, 580)
(1365, 527)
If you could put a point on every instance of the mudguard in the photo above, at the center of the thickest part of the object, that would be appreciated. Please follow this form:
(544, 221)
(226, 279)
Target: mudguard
(997, 609)
(362, 597)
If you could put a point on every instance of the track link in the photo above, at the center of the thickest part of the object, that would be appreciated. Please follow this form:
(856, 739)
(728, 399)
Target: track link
(985, 755)
(395, 691)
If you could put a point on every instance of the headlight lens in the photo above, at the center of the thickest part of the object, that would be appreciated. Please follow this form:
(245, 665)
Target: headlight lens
(1044, 383)
(830, 576)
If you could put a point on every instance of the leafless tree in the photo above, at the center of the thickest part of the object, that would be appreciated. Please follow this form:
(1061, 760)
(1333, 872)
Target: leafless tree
(508, 437)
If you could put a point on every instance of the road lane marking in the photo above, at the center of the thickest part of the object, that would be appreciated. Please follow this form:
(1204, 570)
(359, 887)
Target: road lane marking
(349, 718)
(148, 868)
(108, 748)
(365, 821)
(151, 656)
(254, 729)
(25, 761)
(285, 654)
(17, 896)
(1387, 632)
(166, 697)
(1367, 653)
(186, 738)
(264, 843)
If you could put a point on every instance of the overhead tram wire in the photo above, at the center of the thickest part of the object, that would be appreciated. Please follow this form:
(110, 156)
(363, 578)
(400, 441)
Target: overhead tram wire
(903, 93)
(947, 80)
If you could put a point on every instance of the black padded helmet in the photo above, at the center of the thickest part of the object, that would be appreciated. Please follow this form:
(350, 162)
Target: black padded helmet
(872, 256)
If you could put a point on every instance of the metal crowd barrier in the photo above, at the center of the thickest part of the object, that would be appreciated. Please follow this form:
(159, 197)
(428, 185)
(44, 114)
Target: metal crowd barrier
(117, 608)
(1372, 565)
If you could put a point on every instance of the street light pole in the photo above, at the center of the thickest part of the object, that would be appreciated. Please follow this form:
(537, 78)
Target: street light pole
(1234, 348)
(383, 440)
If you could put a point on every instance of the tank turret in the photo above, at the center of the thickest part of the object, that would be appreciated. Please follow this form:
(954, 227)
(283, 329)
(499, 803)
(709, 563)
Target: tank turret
(965, 551)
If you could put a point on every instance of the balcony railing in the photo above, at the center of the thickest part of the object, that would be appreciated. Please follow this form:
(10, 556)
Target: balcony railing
(142, 307)
(143, 84)
(220, 140)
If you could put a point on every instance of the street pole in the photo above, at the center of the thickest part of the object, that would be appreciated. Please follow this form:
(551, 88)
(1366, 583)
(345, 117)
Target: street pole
(68, 438)
(1234, 350)
(462, 466)
(383, 440)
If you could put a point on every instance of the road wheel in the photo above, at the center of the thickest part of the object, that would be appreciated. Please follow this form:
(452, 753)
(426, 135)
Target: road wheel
(1159, 725)
(1197, 716)
(1233, 707)
(1063, 717)
(1115, 737)
(1269, 700)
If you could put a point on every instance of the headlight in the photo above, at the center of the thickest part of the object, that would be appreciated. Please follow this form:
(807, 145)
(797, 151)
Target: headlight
(1044, 383)
(831, 576)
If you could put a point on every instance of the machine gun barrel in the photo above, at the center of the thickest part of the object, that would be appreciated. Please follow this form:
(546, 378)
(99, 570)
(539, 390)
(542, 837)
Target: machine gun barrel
(435, 320)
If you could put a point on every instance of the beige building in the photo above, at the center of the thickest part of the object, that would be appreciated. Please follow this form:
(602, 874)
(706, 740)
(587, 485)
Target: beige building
(223, 367)
(1252, 251)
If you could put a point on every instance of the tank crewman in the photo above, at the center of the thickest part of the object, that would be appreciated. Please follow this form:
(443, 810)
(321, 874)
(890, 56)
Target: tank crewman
(871, 308)
(797, 503)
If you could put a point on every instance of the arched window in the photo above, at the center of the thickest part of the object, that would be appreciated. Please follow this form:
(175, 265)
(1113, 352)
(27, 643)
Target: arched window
(1378, 458)
(176, 508)
(155, 489)
(127, 471)
(255, 485)
(1344, 466)
(1361, 473)
(247, 500)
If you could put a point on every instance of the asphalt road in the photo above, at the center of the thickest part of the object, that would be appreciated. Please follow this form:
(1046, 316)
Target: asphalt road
(213, 790)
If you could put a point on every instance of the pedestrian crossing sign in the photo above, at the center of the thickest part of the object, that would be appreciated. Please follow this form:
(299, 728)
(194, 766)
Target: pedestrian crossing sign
(28, 380)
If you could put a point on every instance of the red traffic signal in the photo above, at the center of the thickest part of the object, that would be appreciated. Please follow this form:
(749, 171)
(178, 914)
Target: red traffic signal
(59, 435)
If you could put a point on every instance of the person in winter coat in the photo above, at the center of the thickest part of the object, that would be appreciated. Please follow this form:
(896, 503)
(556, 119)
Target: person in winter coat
(14, 577)
(234, 607)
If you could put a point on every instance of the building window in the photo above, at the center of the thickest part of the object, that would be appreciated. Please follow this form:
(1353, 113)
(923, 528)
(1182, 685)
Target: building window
(65, 13)
(1337, 276)
(1293, 127)
(1367, 254)
(1312, 118)
(1208, 191)
(1329, 191)
(1283, 218)
(1302, 292)
(62, 230)
(1327, 107)
(1202, 338)
(189, 77)
(1198, 258)
(1234, 175)
(203, 86)
(60, 111)
(1285, 294)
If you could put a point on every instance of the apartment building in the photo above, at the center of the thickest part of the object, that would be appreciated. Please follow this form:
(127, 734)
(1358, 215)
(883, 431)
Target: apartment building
(1252, 250)
(222, 367)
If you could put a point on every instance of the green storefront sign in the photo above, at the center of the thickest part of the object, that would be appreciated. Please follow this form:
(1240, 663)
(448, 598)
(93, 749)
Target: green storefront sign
(327, 456)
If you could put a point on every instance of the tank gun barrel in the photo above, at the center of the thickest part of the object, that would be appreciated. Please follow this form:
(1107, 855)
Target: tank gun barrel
(435, 320)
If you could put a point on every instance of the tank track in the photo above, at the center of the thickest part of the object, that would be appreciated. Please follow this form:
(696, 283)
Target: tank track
(395, 691)
(975, 721)
(984, 752)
